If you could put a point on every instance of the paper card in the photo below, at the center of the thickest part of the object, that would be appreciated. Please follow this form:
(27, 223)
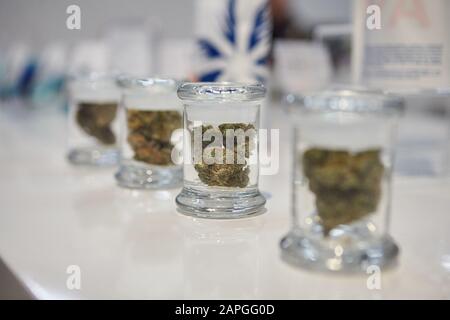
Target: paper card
(402, 44)
(301, 66)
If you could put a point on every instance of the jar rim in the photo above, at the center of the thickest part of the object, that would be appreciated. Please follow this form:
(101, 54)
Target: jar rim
(221, 91)
(130, 82)
(358, 100)
(92, 76)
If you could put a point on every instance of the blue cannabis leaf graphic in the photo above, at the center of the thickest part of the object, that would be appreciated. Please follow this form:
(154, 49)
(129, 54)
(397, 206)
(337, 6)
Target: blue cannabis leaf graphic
(262, 61)
(210, 76)
(209, 49)
(227, 44)
(258, 26)
(230, 23)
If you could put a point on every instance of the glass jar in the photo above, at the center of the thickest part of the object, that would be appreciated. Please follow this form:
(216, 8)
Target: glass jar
(152, 134)
(343, 148)
(93, 121)
(221, 161)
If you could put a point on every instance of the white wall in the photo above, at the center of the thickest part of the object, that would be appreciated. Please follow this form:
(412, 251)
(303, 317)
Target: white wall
(38, 22)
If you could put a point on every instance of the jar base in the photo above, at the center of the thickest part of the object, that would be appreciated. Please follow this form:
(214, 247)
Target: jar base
(300, 251)
(220, 205)
(94, 156)
(148, 177)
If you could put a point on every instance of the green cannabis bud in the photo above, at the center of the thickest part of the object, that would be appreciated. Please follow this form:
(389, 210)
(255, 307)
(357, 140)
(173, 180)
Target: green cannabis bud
(149, 134)
(223, 173)
(347, 185)
(96, 118)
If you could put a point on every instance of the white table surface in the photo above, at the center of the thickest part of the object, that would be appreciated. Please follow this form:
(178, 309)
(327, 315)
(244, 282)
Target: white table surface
(134, 244)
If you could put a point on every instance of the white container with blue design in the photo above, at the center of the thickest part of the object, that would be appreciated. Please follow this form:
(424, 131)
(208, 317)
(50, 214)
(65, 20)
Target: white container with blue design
(233, 40)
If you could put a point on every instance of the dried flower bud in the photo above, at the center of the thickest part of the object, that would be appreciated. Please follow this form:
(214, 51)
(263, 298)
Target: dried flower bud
(96, 118)
(223, 173)
(149, 134)
(347, 185)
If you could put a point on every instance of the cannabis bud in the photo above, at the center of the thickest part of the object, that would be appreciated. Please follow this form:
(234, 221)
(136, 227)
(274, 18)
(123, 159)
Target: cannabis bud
(230, 168)
(96, 118)
(347, 185)
(149, 134)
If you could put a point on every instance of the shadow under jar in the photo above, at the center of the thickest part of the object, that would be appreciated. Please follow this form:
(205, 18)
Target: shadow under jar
(343, 147)
(221, 161)
(152, 138)
(93, 121)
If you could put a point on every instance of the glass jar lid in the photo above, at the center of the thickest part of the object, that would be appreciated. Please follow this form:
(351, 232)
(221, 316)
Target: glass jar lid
(349, 100)
(156, 84)
(93, 86)
(221, 91)
(92, 76)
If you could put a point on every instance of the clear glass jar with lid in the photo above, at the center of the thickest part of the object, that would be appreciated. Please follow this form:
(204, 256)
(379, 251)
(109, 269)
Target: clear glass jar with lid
(343, 149)
(152, 135)
(93, 119)
(221, 161)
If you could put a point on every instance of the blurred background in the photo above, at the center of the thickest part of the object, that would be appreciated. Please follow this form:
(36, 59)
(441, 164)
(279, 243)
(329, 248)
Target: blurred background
(153, 37)
(143, 37)
(292, 46)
